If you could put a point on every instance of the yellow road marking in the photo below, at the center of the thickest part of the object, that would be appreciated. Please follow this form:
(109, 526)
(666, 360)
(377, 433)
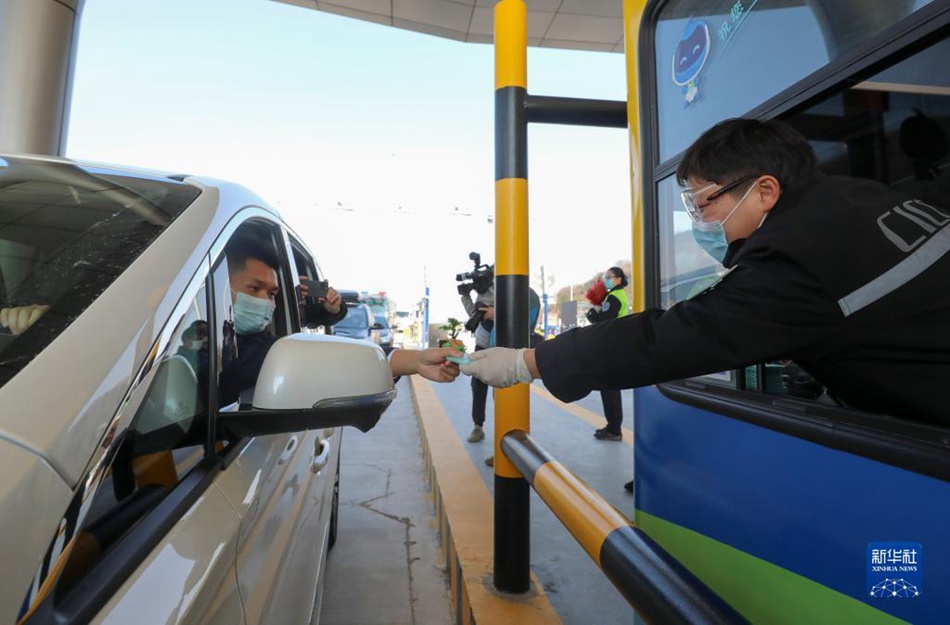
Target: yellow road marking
(581, 413)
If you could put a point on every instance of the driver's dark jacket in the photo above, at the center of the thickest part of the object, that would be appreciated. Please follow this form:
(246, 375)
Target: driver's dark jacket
(850, 278)
(241, 372)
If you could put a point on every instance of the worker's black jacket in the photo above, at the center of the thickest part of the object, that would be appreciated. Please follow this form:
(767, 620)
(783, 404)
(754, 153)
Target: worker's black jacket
(850, 278)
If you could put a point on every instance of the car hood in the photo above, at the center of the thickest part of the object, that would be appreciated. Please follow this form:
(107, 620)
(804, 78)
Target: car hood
(358, 333)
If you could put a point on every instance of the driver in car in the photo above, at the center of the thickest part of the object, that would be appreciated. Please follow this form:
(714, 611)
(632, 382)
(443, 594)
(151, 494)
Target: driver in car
(252, 270)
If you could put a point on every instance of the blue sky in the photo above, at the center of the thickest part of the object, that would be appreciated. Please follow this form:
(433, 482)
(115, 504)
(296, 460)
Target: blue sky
(366, 137)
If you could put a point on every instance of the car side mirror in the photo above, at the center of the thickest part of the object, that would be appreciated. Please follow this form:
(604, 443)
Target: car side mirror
(377, 326)
(313, 381)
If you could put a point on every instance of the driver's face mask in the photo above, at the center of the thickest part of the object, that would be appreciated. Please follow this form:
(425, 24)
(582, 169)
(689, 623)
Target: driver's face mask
(252, 314)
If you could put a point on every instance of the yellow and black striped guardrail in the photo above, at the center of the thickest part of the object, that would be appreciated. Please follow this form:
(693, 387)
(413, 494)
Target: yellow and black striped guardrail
(656, 585)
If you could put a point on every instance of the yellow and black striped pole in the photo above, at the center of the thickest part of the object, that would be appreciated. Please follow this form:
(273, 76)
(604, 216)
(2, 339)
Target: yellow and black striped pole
(512, 518)
(656, 585)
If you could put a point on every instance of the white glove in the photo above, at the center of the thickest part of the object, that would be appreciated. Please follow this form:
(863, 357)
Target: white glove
(500, 367)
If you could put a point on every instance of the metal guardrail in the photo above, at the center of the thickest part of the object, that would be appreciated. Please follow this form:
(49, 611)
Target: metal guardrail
(654, 583)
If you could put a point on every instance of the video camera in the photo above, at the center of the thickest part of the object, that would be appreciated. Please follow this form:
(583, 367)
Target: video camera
(482, 278)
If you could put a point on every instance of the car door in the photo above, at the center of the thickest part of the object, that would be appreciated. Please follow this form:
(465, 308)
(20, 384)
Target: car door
(277, 484)
(148, 537)
(327, 462)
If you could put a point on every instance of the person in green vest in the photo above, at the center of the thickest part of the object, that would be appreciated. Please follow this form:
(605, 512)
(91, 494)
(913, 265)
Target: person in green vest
(614, 305)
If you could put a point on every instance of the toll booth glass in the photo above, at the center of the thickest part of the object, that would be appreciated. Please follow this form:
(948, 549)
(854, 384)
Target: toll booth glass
(720, 59)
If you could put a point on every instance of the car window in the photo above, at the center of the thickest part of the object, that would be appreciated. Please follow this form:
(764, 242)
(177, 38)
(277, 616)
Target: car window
(242, 353)
(305, 268)
(66, 233)
(165, 440)
(311, 311)
(381, 320)
(356, 319)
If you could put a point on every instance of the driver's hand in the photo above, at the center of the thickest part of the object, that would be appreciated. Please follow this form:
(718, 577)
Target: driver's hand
(18, 319)
(489, 313)
(434, 366)
(332, 302)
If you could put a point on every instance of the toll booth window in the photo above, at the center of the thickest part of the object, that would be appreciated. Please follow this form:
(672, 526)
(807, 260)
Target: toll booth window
(706, 52)
(685, 269)
(893, 127)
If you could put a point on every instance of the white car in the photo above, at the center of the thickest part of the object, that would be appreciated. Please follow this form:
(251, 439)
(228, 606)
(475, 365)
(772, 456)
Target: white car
(131, 492)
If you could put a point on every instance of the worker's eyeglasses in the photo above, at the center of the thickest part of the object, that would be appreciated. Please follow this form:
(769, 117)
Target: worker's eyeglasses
(691, 197)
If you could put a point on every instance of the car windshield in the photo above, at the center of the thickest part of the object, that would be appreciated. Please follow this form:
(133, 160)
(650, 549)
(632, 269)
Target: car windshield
(67, 231)
(381, 320)
(355, 319)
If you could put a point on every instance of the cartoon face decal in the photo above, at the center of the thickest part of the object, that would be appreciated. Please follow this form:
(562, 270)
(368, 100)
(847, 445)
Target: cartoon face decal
(690, 57)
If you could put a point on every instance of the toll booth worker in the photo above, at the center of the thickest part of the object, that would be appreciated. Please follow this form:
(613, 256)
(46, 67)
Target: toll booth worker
(614, 305)
(847, 277)
(252, 271)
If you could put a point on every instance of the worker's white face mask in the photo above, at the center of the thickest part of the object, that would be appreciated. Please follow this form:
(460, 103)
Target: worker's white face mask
(711, 236)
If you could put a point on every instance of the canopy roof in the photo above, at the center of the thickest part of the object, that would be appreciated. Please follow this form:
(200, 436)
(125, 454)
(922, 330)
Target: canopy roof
(570, 24)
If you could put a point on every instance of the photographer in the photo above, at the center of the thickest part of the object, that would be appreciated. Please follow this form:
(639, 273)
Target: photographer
(481, 320)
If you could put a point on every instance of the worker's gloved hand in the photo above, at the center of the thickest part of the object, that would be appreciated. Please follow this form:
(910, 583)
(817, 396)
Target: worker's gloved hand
(500, 367)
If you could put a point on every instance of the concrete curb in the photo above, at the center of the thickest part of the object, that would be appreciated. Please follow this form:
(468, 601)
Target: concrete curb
(464, 513)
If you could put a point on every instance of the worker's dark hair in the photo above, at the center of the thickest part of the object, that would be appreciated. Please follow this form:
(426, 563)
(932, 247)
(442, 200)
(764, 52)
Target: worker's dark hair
(735, 148)
(617, 271)
(246, 245)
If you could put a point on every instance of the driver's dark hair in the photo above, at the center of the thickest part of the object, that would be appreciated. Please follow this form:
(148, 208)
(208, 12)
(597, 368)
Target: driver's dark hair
(735, 148)
(246, 245)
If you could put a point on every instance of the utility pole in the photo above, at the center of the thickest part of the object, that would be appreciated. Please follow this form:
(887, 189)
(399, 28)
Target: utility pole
(425, 321)
(544, 297)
